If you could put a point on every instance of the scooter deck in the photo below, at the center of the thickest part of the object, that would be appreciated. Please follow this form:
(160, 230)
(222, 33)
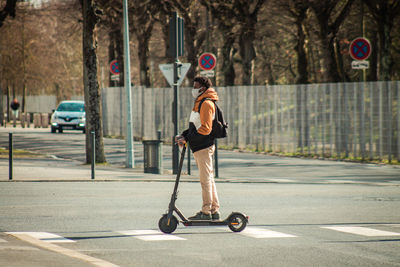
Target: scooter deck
(204, 222)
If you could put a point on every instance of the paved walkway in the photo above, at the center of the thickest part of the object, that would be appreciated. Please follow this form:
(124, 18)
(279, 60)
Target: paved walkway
(234, 166)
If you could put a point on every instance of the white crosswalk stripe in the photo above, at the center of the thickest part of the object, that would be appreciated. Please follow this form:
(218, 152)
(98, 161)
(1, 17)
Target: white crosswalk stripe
(250, 231)
(150, 235)
(43, 236)
(256, 232)
(358, 230)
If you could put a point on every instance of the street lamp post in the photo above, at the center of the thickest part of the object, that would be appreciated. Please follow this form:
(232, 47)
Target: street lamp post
(130, 161)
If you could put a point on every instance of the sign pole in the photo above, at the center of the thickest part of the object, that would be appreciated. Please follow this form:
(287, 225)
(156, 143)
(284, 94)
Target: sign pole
(130, 161)
(176, 42)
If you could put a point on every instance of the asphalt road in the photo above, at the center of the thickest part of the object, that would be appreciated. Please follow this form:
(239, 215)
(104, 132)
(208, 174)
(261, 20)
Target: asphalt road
(116, 223)
(302, 213)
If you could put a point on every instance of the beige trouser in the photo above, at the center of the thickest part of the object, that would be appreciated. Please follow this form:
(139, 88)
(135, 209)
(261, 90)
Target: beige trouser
(209, 191)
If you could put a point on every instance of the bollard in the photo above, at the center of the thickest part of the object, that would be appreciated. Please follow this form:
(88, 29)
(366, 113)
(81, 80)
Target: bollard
(22, 120)
(188, 161)
(10, 156)
(216, 159)
(28, 120)
(14, 113)
(37, 123)
(45, 120)
(93, 153)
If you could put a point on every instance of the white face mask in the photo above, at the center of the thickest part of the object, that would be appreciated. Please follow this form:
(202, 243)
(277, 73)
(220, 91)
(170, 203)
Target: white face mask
(196, 92)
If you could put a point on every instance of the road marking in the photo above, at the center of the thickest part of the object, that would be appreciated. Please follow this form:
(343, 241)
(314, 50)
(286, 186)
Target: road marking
(67, 252)
(393, 225)
(357, 230)
(44, 236)
(19, 248)
(2, 240)
(150, 235)
(282, 180)
(263, 233)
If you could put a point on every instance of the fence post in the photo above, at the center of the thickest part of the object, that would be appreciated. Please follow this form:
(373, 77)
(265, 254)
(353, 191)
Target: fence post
(398, 121)
(371, 121)
(362, 120)
(389, 121)
(380, 122)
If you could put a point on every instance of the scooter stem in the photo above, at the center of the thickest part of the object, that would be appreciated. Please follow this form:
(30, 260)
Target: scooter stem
(174, 196)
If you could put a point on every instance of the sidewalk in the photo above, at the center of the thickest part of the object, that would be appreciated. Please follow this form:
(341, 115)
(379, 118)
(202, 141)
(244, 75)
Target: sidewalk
(42, 170)
(234, 166)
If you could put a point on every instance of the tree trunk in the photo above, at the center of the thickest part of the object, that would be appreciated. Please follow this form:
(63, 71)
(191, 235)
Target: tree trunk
(143, 54)
(90, 79)
(227, 52)
(373, 59)
(115, 51)
(385, 42)
(329, 23)
(8, 10)
(1, 107)
(302, 63)
(247, 54)
(330, 72)
(111, 56)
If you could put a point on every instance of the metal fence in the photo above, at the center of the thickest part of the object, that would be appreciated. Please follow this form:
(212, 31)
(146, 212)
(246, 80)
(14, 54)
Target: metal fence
(359, 120)
(38, 103)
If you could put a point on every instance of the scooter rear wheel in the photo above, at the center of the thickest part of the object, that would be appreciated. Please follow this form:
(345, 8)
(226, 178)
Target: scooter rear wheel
(237, 222)
(166, 227)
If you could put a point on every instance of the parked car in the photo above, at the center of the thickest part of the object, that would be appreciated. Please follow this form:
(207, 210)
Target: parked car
(69, 115)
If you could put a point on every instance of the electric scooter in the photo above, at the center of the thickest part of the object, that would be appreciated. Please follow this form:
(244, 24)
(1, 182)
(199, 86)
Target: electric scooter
(236, 221)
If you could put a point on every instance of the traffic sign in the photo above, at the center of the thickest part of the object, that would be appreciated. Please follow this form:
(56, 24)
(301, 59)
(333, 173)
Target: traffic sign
(207, 61)
(115, 77)
(360, 48)
(114, 67)
(207, 73)
(360, 64)
(168, 71)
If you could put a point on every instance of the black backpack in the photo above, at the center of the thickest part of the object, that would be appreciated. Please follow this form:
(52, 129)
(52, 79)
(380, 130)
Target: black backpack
(219, 126)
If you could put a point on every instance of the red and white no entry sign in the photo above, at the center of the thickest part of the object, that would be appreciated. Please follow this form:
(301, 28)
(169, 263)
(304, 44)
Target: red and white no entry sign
(360, 48)
(207, 61)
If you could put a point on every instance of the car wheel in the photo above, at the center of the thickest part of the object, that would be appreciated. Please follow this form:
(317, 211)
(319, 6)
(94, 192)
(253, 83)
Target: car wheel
(60, 130)
(53, 130)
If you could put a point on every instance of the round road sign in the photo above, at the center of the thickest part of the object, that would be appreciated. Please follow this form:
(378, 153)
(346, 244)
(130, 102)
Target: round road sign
(207, 61)
(360, 48)
(114, 67)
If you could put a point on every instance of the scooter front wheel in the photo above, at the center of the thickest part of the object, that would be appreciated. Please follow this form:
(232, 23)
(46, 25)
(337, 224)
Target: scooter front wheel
(237, 222)
(167, 226)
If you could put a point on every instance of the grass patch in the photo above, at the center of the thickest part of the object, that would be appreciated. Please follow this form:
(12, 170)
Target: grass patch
(19, 153)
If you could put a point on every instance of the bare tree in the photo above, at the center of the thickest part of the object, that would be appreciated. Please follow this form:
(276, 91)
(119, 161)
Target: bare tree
(195, 34)
(8, 10)
(142, 24)
(243, 13)
(298, 9)
(112, 22)
(222, 12)
(91, 16)
(329, 16)
(384, 13)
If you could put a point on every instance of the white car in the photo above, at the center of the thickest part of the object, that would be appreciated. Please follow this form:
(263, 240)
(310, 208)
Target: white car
(69, 115)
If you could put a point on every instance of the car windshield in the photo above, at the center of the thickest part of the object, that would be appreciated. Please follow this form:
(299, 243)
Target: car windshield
(76, 107)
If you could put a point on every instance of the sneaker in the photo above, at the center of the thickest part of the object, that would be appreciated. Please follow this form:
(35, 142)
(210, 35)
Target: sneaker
(215, 216)
(200, 216)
